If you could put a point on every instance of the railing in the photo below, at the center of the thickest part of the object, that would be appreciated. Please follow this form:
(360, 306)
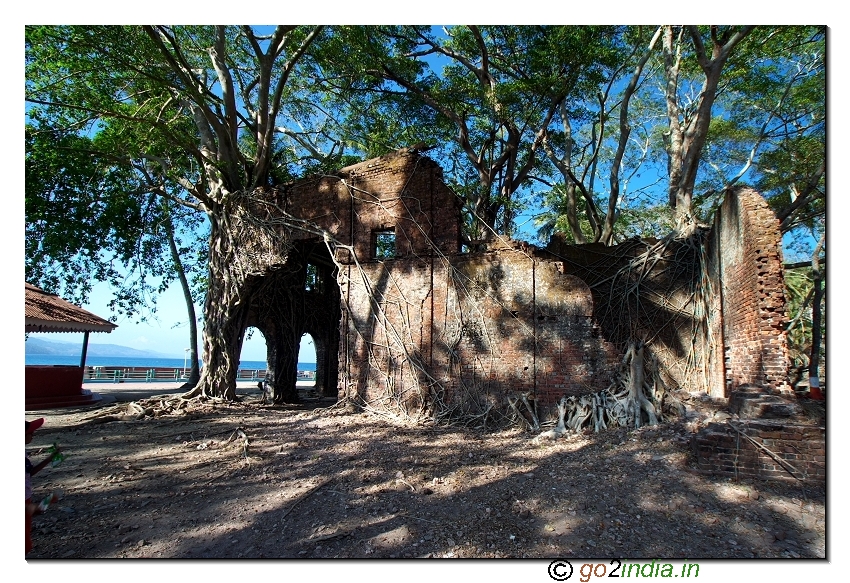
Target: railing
(245, 374)
(111, 374)
(122, 374)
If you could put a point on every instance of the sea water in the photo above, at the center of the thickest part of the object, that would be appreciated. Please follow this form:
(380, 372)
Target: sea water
(131, 362)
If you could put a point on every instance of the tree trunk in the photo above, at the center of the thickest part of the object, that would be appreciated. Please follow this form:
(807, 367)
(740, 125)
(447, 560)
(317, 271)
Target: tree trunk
(637, 401)
(282, 362)
(195, 371)
(246, 246)
(225, 314)
(572, 214)
(279, 310)
(224, 328)
(635, 384)
(687, 137)
(484, 220)
(625, 132)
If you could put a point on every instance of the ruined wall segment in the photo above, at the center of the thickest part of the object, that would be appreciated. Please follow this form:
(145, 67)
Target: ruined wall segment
(385, 333)
(517, 323)
(424, 321)
(401, 192)
(572, 355)
(471, 329)
(797, 452)
(747, 242)
(466, 328)
(646, 289)
(714, 343)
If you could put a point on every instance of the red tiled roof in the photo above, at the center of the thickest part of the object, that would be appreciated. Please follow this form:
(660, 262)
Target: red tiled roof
(49, 313)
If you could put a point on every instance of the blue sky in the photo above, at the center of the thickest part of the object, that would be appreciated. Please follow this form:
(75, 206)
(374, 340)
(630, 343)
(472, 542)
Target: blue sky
(168, 333)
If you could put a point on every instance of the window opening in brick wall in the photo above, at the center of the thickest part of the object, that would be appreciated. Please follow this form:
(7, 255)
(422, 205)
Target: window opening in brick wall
(314, 279)
(383, 244)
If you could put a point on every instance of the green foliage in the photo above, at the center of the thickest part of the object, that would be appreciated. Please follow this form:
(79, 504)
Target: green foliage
(114, 129)
(313, 281)
(101, 123)
(799, 296)
(553, 219)
(771, 122)
(89, 219)
(385, 244)
(767, 130)
(477, 94)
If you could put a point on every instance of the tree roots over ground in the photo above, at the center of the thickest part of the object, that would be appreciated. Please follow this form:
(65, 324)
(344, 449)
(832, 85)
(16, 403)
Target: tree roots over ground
(322, 484)
(633, 400)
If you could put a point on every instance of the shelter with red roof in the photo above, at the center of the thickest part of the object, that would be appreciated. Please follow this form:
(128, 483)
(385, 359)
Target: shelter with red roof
(49, 387)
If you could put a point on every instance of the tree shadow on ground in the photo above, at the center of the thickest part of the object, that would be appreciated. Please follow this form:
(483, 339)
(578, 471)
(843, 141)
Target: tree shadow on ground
(321, 483)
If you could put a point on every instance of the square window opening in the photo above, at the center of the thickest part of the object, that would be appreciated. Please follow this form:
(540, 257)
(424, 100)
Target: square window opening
(383, 244)
(313, 281)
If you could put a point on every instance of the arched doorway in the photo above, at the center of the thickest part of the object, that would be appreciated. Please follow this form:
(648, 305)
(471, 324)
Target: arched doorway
(302, 297)
(307, 362)
(326, 348)
(253, 358)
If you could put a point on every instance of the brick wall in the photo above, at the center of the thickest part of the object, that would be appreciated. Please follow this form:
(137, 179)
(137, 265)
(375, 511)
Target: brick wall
(660, 309)
(402, 190)
(747, 245)
(720, 450)
(473, 328)
(714, 344)
(468, 327)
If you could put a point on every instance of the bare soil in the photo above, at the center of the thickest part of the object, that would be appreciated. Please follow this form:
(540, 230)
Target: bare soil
(320, 481)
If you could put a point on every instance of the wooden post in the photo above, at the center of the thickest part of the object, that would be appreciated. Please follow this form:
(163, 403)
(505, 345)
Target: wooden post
(85, 349)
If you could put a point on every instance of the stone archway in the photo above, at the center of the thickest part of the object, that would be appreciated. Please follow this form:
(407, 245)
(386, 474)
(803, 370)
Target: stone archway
(326, 344)
(300, 298)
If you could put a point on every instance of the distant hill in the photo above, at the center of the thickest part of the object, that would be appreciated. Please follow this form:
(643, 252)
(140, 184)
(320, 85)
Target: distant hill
(40, 346)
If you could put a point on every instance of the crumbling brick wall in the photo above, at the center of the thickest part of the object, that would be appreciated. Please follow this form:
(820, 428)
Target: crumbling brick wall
(645, 289)
(471, 329)
(719, 449)
(467, 329)
(402, 191)
(746, 244)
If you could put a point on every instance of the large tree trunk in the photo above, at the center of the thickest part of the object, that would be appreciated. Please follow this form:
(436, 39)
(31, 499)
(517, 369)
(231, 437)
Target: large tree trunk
(225, 313)
(637, 401)
(246, 245)
(282, 361)
(279, 314)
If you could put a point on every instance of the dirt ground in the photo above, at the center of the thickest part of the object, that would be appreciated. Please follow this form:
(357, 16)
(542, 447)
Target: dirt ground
(317, 481)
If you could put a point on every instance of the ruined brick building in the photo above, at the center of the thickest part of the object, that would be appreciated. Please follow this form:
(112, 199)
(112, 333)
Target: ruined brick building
(402, 316)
